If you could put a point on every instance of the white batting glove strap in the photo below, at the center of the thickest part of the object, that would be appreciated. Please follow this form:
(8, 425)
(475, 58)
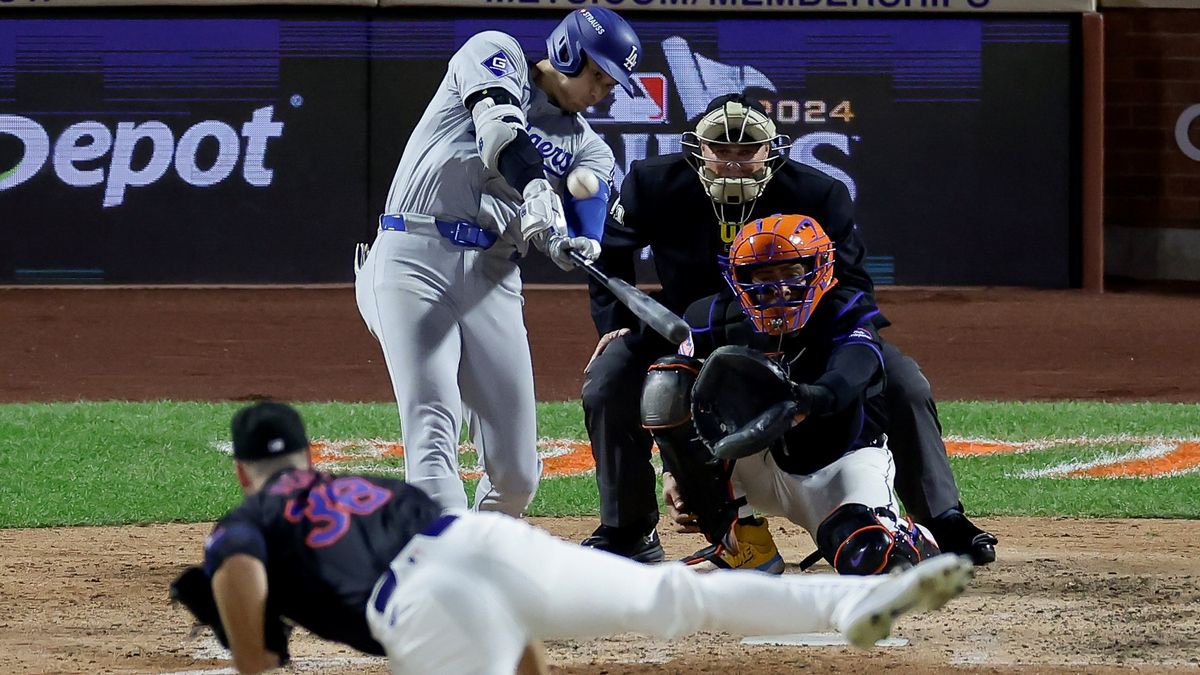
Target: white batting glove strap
(542, 212)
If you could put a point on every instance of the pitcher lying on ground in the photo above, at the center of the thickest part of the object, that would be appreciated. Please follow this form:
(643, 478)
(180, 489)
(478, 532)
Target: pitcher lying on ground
(376, 564)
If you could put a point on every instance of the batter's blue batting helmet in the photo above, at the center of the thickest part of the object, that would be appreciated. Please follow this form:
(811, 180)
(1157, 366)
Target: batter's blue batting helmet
(603, 36)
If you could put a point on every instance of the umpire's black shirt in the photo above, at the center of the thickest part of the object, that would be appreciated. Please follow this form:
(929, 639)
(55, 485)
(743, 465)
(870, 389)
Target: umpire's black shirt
(324, 540)
(662, 204)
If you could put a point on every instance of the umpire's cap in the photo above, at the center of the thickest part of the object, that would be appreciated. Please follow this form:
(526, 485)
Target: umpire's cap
(720, 101)
(267, 429)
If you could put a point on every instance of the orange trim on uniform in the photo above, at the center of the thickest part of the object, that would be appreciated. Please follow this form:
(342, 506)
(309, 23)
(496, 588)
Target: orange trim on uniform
(883, 564)
(673, 366)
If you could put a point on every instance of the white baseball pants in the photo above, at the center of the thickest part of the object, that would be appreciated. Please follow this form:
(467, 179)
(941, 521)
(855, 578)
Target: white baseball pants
(863, 476)
(468, 601)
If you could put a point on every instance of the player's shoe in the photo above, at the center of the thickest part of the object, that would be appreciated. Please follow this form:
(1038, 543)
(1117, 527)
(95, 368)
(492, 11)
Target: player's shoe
(636, 545)
(756, 551)
(955, 533)
(923, 587)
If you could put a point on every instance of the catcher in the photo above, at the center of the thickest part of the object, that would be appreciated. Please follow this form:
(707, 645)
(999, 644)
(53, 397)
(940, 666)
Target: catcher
(784, 415)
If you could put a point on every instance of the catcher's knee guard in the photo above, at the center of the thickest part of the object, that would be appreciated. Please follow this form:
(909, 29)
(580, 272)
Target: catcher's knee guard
(855, 540)
(667, 392)
(703, 481)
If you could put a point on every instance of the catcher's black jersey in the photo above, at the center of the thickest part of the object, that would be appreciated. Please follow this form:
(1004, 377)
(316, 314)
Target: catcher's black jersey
(324, 540)
(663, 205)
(838, 348)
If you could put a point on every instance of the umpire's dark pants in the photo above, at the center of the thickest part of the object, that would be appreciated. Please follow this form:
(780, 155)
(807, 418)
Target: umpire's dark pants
(612, 397)
(924, 481)
(612, 392)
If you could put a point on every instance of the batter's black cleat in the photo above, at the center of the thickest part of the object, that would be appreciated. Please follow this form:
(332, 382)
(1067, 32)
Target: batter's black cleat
(955, 533)
(633, 544)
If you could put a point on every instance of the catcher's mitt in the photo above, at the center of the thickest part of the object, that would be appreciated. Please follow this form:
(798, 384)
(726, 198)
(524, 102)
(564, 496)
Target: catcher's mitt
(743, 402)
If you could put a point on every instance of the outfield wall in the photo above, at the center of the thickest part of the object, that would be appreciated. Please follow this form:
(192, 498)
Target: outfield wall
(1152, 176)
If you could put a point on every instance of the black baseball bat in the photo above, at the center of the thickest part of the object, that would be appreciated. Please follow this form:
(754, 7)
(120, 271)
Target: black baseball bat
(646, 308)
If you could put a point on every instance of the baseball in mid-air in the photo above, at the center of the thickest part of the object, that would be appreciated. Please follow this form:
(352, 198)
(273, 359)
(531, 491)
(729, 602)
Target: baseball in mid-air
(582, 183)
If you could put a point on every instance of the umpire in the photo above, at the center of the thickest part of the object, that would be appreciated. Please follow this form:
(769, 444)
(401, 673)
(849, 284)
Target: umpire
(688, 224)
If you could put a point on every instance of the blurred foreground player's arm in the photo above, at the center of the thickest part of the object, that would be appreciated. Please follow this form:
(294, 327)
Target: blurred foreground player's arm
(240, 590)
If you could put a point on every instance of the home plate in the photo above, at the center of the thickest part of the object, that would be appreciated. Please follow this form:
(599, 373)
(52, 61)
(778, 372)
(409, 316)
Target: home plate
(815, 640)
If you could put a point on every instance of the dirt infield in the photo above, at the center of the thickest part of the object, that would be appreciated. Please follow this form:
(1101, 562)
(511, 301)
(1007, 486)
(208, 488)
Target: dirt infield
(1066, 595)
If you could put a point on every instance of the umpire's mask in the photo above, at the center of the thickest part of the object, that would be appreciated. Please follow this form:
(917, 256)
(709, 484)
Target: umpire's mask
(735, 150)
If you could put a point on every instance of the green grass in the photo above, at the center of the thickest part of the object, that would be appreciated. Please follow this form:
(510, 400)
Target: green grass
(1068, 419)
(114, 462)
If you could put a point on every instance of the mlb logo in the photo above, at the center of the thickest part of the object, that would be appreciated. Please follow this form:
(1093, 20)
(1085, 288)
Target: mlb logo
(654, 87)
(498, 64)
(648, 105)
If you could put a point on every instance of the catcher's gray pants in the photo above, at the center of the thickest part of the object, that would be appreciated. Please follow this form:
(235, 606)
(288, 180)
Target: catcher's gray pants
(467, 601)
(450, 322)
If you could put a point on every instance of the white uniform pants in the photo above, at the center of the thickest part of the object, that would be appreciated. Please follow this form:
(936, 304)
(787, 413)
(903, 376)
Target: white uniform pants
(863, 476)
(450, 322)
(468, 601)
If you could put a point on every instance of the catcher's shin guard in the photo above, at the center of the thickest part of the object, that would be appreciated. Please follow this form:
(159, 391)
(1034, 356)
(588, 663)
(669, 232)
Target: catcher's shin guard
(703, 481)
(855, 540)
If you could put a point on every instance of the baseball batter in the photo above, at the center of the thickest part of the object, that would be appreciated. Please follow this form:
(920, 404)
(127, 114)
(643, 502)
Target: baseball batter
(481, 179)
(803, 432)
(375, 564)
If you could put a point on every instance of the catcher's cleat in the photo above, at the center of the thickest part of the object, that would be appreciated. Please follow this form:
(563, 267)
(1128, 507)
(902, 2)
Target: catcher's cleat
(635, 545)
(955, 533)
(926, 586)
(756, 551)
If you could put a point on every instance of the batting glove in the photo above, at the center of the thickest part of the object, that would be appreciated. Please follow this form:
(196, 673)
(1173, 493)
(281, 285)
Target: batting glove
(559, 248)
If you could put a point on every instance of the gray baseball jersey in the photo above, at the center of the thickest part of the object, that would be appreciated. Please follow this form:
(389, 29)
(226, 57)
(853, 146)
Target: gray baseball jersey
(441, 174)
(448, 317)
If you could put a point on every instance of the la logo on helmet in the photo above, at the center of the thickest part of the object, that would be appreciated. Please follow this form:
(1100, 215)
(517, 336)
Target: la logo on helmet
(631, 60)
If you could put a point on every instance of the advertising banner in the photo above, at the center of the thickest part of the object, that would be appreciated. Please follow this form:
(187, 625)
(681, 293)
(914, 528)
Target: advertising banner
(21, 4)
(181, 150)
(746, 6)
(954, 135)
(249, 150)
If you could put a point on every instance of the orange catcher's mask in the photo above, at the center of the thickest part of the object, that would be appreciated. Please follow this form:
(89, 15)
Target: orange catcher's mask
(779, 267)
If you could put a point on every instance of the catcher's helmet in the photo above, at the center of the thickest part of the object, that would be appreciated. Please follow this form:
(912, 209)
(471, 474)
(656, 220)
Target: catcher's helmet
(601, 35)
(799, 256)
(735, 120)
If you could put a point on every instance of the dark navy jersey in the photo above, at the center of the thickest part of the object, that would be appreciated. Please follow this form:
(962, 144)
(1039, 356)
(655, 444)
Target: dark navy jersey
(324, 540)
(663, 205)
(838, 349)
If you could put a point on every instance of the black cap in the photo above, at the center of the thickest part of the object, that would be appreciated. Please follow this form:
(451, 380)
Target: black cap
(267, 429)
(720, 101)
